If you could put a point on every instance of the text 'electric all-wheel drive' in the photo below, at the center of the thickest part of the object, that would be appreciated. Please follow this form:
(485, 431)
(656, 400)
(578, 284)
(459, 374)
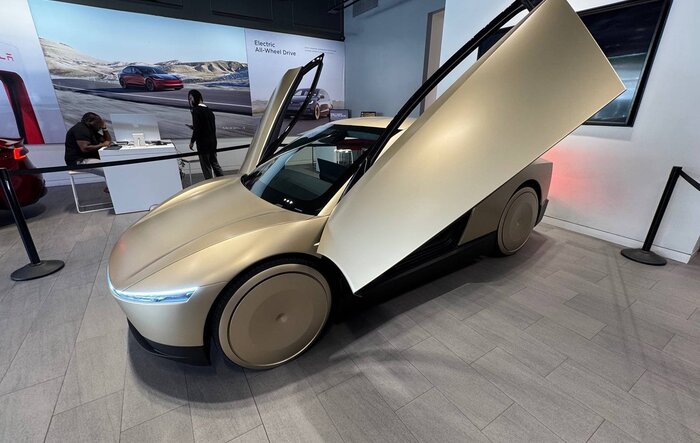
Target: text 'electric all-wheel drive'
(255, 261)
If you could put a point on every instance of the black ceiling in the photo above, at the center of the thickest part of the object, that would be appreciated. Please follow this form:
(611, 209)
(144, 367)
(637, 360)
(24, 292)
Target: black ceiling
(303, 17)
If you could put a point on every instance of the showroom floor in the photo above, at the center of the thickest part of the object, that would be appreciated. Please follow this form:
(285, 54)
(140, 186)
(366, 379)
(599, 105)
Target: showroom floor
(566, 340)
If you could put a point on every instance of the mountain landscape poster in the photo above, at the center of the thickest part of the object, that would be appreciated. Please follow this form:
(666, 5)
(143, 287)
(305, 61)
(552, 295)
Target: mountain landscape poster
(135, 63)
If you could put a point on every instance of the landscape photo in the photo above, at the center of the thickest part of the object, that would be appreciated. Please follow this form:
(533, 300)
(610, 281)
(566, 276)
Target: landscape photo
(144, 64)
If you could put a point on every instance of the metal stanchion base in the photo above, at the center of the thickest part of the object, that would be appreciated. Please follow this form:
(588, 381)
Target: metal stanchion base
(645, 257)
(41, 269)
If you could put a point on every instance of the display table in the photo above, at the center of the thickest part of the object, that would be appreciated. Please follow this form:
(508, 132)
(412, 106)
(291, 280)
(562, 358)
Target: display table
(137, 187)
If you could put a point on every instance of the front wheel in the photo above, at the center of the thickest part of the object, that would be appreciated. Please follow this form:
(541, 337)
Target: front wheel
(150, 85)
(122, 83)
(272, 313)
(317, 112)
(517, 221)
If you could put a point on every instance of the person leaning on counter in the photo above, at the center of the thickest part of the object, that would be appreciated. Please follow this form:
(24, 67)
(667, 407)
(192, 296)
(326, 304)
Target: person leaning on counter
(84, 140)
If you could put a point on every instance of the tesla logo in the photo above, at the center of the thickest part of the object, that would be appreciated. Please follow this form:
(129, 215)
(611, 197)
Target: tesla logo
(8, 56)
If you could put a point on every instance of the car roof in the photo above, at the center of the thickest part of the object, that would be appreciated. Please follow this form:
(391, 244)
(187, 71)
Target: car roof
(373, 122)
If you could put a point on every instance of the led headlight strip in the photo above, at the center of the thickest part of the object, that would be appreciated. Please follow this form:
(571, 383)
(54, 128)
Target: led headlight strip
(172, 296)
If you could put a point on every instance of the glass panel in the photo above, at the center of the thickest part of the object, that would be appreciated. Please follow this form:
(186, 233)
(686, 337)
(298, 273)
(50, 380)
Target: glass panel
(307, 173)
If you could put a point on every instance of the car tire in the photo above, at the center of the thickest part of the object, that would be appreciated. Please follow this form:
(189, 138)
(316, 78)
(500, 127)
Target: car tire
(317, 112)
(123, 84)
(518, 219)
(150, 86)
(272, 313)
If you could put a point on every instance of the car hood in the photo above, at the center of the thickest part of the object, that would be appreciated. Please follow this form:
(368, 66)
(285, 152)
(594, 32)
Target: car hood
(203, 215)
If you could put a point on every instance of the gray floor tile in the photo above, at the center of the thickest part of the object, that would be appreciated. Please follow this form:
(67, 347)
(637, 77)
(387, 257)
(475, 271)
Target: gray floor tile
(475, 397)
(14, 331)
(103, 316)
(515, 424)
(523, 346)
(25, 414)
(679, 286)
(396, 380)
(257, 435)
(361, 414)
(468, 344)
(666, 397)
(221, 404)
(514, 313)
(625, 411)
(172, 427)
(680, 372)
(620, 321)
(399, 329)
(433, 418)
(583, 286)
(152, 386)
(96, 369)
(97, 421)
(609, 433)
(61, 306)
(620, 370)
(289, 409)
(557, 411)
(554, 309)
(327, 363)
(685, 349)
(25, 298)
(673, 323)
(44, 355)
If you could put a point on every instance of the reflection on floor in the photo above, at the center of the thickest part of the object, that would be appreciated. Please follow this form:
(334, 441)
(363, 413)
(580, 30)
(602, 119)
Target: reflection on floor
(566, 340)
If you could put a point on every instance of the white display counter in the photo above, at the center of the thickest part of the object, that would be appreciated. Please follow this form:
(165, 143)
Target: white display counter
(137, 187)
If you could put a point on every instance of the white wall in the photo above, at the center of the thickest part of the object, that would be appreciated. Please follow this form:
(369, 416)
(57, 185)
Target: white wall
(385, 54)
(608, 180)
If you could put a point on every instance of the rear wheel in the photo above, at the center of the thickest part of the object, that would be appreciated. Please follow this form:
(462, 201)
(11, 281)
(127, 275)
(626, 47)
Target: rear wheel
(150, 85)
(517, 221)
(272, 313)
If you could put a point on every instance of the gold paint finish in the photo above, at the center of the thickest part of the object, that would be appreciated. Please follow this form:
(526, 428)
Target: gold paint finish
(544, 79)
(275, 316)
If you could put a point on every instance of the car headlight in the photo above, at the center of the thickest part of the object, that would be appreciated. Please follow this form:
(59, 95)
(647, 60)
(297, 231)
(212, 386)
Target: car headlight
(171, 296)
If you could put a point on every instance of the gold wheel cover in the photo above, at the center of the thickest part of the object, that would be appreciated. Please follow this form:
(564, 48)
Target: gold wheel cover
(517, 221)
(275, 316)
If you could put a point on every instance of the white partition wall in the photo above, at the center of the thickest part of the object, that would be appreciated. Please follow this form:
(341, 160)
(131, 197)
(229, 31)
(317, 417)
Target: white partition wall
(608, 180)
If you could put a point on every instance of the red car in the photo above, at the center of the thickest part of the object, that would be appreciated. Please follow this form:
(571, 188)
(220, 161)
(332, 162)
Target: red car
(29, 188)
(153, 79)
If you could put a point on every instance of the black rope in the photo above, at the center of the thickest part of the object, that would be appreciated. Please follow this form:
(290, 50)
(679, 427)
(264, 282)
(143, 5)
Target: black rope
(114, 163)
(694, 183)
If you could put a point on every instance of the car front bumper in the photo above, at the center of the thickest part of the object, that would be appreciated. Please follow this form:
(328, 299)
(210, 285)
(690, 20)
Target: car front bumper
(193, 355)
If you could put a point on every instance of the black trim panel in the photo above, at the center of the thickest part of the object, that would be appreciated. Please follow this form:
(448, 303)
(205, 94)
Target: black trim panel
(193, 355)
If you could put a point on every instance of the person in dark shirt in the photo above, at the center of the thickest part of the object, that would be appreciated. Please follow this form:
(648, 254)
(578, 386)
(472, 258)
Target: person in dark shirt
(84, 140)
(204, 134)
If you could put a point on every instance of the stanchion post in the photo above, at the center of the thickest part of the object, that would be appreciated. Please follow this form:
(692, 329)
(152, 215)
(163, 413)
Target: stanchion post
(645, 255)
(36, 267)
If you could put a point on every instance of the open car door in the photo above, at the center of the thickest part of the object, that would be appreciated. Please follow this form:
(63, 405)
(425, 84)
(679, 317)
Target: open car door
(270, 135)
(539, 83)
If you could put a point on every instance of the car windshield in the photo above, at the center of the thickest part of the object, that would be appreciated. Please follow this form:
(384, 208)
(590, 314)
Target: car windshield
(303, 92)
(149, 71)
(308, 172)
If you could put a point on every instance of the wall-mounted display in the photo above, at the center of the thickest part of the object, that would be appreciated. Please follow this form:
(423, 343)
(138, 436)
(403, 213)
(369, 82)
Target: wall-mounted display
(28, 106)
(144, 64)
(628, 33)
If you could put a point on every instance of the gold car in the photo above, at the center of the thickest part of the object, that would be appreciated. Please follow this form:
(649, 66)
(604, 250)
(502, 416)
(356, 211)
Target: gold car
(255, 262)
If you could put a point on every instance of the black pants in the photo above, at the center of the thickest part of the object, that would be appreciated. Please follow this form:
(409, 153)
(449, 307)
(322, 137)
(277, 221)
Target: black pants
(209, 163)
